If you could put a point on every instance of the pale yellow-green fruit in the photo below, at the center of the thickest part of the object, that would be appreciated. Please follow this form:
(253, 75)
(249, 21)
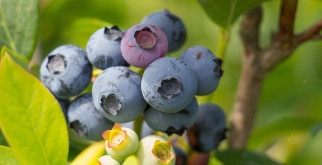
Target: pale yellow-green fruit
(108, 160)
(121, 142)
(155, 150)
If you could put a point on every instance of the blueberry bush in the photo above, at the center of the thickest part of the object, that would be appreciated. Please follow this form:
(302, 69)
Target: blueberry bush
(160, 82)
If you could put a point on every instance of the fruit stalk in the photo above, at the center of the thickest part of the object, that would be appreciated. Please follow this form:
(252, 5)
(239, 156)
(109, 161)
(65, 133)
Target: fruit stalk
(222, 42)
(138, 125)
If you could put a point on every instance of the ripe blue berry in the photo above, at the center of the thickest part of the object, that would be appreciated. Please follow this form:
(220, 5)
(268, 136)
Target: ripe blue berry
(66, 71)
(206, 66)
(181, 156)
(169, 85)
(209, 130)
(117, 94)
(172, 122)
(172, 26)
(85, 120)
(146, 130)
(103, 48)
(142, 44)
(64, 104)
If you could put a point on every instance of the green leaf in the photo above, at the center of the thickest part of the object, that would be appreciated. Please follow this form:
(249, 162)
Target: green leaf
(3, 141)
(225, 12)
(35, 70)
(81, 30)
(19, 25)
(22, 61)
(316, 129)
(311, 152)
(243, 157)
(7, 156)
(30, 117)
(283, 126)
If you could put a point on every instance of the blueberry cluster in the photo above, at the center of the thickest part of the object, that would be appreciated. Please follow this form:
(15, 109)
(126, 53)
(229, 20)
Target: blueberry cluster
(164, 95)
(123, 142)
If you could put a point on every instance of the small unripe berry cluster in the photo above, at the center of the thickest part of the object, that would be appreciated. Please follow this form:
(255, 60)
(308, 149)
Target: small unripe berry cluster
(122, 143)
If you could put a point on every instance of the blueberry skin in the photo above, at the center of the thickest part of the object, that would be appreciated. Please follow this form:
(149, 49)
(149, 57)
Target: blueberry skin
(104, 48)
(169, 85)
(146, 130)
(209, 130)
(142, 44)
(64, 104)
(86, 120)
(117, 94)
(206, 66)
(66, 71)
(172, 26)
(181, 156)
(172, 122)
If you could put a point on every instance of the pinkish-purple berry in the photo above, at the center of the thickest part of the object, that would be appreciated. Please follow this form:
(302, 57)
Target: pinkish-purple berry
(142, 44)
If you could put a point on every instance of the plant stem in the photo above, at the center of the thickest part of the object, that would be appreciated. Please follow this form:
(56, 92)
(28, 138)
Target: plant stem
(222, 42)
(258, 62)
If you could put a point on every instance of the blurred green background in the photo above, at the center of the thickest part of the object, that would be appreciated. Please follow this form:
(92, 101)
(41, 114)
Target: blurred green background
(290, 108)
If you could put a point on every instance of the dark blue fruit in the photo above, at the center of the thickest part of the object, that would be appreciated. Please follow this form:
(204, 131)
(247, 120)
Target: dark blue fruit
(171, 25)
(181, 156)
(209, 130)
(85, 120)
(206, 66)
(169, 85)
(146, 130)
(172, 122)
(66, 71)
(64, 104)
(117, 94)
(103, 48)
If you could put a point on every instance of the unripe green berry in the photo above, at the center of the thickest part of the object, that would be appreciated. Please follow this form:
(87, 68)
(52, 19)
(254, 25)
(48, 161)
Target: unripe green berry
(155, 150)
(107, 160)
(120, 142)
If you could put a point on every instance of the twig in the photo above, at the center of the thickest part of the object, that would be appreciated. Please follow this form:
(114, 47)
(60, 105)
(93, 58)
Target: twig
(311, 33)
(287, 17)
(250, 82)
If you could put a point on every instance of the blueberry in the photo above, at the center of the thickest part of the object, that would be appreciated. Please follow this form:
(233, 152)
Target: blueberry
(172, 122)
(209, 130)
(172, 26)
(142, 44)
(200, 158)
(146, 130)
(206, 66)
(117, 94)
(104, 48)
(169, 85)
(181, 156)
(66, 71)
(64, 104)
(85, 120)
